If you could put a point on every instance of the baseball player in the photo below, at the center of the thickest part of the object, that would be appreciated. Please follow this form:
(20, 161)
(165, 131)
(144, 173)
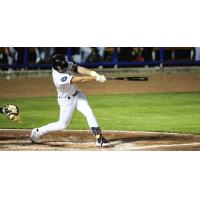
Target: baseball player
(71, 98)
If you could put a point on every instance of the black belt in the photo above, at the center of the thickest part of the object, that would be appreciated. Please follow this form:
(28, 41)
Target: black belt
(73, 95)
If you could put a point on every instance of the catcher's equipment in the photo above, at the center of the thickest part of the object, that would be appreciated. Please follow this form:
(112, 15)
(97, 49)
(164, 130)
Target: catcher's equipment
(59, 63)
(12, 111)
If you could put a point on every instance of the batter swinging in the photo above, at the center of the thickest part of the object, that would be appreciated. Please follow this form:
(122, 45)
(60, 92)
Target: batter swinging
(69, 98)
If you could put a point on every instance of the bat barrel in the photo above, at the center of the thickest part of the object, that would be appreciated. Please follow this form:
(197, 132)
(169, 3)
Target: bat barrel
(143, 78)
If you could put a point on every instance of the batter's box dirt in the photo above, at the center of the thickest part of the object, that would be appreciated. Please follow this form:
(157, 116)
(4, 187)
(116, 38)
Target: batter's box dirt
(18, 140)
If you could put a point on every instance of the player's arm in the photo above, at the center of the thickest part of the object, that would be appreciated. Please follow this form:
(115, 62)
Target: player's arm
(91, 75)
(83, 79)
(84, 71)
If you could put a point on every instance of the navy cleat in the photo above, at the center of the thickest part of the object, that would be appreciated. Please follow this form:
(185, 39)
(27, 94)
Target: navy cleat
(100, 140)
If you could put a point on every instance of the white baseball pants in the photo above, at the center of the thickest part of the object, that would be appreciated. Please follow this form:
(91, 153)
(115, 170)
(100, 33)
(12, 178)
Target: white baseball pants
(67, 107)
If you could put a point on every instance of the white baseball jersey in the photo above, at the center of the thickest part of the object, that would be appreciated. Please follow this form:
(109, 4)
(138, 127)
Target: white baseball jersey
(62, 82)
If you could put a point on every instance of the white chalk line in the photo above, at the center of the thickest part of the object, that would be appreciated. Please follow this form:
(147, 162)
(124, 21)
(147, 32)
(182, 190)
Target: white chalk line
(107, 131)
(167, 145)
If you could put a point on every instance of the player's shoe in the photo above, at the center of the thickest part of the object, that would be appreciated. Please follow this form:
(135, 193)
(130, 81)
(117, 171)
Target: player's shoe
(35, 135)
(101, 141)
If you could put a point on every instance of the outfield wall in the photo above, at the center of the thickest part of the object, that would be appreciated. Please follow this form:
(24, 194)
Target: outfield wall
(115, 72)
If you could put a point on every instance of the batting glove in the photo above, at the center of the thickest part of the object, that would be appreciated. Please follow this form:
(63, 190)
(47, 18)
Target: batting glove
(93, 73)
(101, 78)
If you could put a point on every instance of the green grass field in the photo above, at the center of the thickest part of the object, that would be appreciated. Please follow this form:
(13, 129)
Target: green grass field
(166, 112)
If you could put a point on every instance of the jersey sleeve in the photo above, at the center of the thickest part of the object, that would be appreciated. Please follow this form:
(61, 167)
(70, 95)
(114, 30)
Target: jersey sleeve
(72, 67)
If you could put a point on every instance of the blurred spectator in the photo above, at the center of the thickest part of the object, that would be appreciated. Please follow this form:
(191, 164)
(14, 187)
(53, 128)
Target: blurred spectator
(94, 55)
(135, 54)
(126, 54)
(43, 54)
(101, 52)
(81, 55)
(131, 54)
(88, 54)
(1, 54)
(11, 54)
(147, 53)
(31, 55)
(20, 55)
(76, 55)
(85, 53)
(109, 53)
(197, 53)
(138, 53)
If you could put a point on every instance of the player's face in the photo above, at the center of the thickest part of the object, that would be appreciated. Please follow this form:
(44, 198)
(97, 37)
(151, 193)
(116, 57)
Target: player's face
(62, 70)
(63, 67)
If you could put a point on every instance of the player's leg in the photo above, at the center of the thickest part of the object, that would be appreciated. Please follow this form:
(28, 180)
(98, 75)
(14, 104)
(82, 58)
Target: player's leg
(84, 107)
(66, 112)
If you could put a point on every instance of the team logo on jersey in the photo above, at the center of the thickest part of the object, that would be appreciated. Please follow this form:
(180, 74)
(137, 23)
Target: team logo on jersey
(63, 79)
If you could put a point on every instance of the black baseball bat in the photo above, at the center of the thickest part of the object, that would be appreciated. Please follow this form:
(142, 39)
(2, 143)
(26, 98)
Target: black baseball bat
(135, 78)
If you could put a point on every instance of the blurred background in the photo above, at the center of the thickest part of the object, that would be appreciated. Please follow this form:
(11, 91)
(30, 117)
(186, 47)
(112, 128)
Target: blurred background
(20, 58)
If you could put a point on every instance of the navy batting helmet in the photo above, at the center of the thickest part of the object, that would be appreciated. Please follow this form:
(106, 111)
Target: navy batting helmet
(59, 63)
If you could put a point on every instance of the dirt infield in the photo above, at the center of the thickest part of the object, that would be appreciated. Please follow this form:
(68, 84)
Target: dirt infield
(18, 140)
